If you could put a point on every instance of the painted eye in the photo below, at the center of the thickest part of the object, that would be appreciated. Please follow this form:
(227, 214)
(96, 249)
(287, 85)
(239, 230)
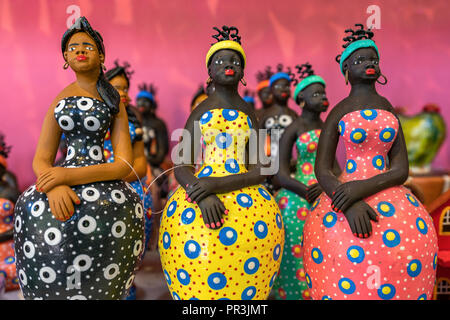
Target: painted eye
(71, 49)
(237, 63)
(90, 48)
(375, 62)
(220, 61)
(315, 94)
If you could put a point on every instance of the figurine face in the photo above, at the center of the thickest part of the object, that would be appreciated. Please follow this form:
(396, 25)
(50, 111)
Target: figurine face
(363, 66)
(315, 98)
(144, 105)
(265, 95)
(281, 89)
(120, 83)
(226, 67)
(82, 53)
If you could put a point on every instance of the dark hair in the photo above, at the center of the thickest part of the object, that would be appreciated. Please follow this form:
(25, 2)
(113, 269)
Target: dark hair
(264, 75)
(305, 70)
(355, 35)
(150, 88)
(104, 88)
(119, 70)
(4, 148)
(227, 33)
(288, 71)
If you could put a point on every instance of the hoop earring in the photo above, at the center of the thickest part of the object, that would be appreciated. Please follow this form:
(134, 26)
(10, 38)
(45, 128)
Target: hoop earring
(302, 104)
(385, 80)
(346, 77)
(103, 67)
(65, 66)
(244, 83)
(208, 81)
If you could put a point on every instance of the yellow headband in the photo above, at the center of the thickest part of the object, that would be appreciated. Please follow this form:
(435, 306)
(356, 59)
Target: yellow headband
(226, 44)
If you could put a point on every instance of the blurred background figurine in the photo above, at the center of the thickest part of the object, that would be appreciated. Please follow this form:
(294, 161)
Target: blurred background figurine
(8, 196)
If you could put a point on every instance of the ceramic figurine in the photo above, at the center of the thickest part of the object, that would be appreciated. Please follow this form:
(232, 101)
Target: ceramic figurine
(278, 116)
(264, 92)
(198, 98)
(367, 236)
(8, 196)
(79, 231)
(221, 234)
(119, 77)
(298, 193)
(249, 97)
(424, 134)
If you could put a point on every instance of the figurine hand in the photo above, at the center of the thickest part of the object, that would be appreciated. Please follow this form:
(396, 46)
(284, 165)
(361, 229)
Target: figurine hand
(313, 192)
(358, 217)
(212, 209)
(61, 199)
(51, 178)
(345, 195)
(199, 190)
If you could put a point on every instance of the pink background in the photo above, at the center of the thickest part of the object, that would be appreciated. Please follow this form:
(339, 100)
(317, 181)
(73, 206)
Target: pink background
(166, 42)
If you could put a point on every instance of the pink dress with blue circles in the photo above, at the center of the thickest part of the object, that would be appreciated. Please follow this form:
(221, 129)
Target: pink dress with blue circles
(398, 261)
(239, 261)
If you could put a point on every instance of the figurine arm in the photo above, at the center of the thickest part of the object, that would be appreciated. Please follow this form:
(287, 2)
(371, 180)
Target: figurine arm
(187, 148)
(139, 163)
(352, 191)
(7, 235)
(208, 185)
(48, 142)
(120, 168)
(325, 166)
(284, 178)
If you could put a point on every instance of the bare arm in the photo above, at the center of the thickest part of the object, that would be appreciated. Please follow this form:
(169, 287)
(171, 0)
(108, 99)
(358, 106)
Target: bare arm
(48, 142)
(139, 163)
(120, 139)
(326, 154)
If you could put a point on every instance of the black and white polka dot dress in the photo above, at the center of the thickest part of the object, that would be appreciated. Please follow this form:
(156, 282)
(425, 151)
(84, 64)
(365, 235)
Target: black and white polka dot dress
(94, 254)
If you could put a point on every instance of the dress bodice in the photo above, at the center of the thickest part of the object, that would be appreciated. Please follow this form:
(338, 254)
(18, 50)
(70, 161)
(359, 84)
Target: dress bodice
(84, 122)
(368, 136)
(306, 154)
(225, 133)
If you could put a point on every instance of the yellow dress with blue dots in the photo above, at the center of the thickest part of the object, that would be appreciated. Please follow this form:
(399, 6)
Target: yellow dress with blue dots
(239, 261)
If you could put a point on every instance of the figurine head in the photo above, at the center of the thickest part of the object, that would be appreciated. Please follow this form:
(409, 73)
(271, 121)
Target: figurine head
(83, 50)
(119, 77)
(225, 59)
(4, 152)
(263, 88)
(280, 84)
(310, 91)
(145, 100)
(360, 58)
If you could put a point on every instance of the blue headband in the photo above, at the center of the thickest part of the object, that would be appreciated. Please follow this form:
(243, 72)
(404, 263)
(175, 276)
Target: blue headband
(278, 76)
(145, 94)
(364, 43)
(249, 99)
(306, 82)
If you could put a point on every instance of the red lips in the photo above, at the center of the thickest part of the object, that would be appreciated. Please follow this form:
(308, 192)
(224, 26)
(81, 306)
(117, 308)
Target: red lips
(325, 103)
(229, 72)
(284, 94)
(370, 71)
(81, 57)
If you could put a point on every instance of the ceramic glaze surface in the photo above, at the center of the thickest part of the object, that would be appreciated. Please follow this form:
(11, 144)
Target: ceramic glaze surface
(398, 261)
(239, 261)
